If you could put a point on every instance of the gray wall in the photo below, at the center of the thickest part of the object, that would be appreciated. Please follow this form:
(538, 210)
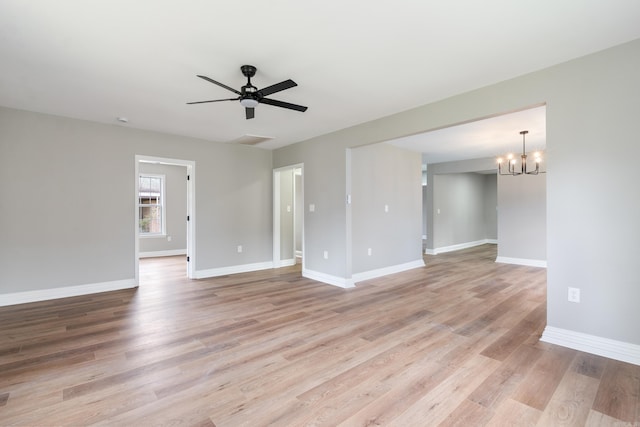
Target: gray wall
(522, 217)
(325, 183)
(175, 208)
(468, 202)
(459, 209)
(385, 175)
(463, 168)
(67, 204)
(592, 206)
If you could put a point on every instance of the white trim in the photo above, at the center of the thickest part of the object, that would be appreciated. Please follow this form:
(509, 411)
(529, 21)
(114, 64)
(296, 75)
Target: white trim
(154, 254)
(459, 246)
(372, 274)
(284, 263)
(65, 292)
(232, 269)
(522, 261)
(328, 279)
(617, 350)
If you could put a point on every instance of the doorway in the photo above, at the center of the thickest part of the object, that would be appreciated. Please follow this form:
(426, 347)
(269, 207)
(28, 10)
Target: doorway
(288, 216)
(188, 218)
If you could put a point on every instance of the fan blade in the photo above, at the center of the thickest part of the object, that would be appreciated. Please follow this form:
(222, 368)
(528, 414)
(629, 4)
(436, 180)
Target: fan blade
(250, 112)
(213, 100)
(287, 84)
(282, 104)
(220, 84)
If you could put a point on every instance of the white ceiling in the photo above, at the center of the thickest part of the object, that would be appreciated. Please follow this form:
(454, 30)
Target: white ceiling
(483, 138)
(354, 60)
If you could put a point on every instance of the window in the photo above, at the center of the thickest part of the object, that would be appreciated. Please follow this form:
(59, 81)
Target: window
(151, 205)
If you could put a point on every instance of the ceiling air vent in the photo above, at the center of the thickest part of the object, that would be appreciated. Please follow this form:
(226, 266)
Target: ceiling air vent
(250, 139)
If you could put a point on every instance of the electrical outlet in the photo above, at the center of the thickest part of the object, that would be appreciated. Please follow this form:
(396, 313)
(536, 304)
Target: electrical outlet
(239, 249)
(326, 254)
(574, 295)
(369, 251)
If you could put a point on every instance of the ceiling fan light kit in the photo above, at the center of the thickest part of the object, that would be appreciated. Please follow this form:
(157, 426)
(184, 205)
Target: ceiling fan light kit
(511, 161)
(250, 96)
(249, 102)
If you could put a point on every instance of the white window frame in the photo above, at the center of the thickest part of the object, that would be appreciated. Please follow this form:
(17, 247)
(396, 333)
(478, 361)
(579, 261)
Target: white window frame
(162, 204)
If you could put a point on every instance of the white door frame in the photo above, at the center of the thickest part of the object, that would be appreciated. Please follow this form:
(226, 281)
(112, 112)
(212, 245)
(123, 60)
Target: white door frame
(191, 211)
(277, 261)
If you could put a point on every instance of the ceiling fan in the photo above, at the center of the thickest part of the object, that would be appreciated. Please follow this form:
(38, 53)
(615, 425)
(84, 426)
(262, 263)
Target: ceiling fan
(249, 95)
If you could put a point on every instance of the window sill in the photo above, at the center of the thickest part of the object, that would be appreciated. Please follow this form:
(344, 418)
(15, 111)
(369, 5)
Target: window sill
(152, 236)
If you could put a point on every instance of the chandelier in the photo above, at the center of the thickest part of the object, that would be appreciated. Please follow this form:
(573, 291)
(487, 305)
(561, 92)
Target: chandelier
(512, 168)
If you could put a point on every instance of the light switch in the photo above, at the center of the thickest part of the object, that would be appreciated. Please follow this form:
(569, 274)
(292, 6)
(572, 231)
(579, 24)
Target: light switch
(288, 208)
(312, 207)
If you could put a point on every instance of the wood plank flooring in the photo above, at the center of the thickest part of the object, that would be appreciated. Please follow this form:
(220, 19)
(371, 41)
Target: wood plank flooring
(454, 343)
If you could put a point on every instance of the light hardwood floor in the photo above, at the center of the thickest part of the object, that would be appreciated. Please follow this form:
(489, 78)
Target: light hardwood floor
(454, 343)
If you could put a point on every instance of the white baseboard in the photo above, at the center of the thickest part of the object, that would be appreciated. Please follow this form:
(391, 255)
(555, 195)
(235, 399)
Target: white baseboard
(522, 261)
(153, 254)
(233, 269)
(459, 246)
(284, 263)
(328, 279)
(617, 350)
(65, 292)
(372, 274)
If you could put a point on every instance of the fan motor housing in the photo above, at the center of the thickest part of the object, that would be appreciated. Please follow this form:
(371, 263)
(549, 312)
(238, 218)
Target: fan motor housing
(248, 70)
